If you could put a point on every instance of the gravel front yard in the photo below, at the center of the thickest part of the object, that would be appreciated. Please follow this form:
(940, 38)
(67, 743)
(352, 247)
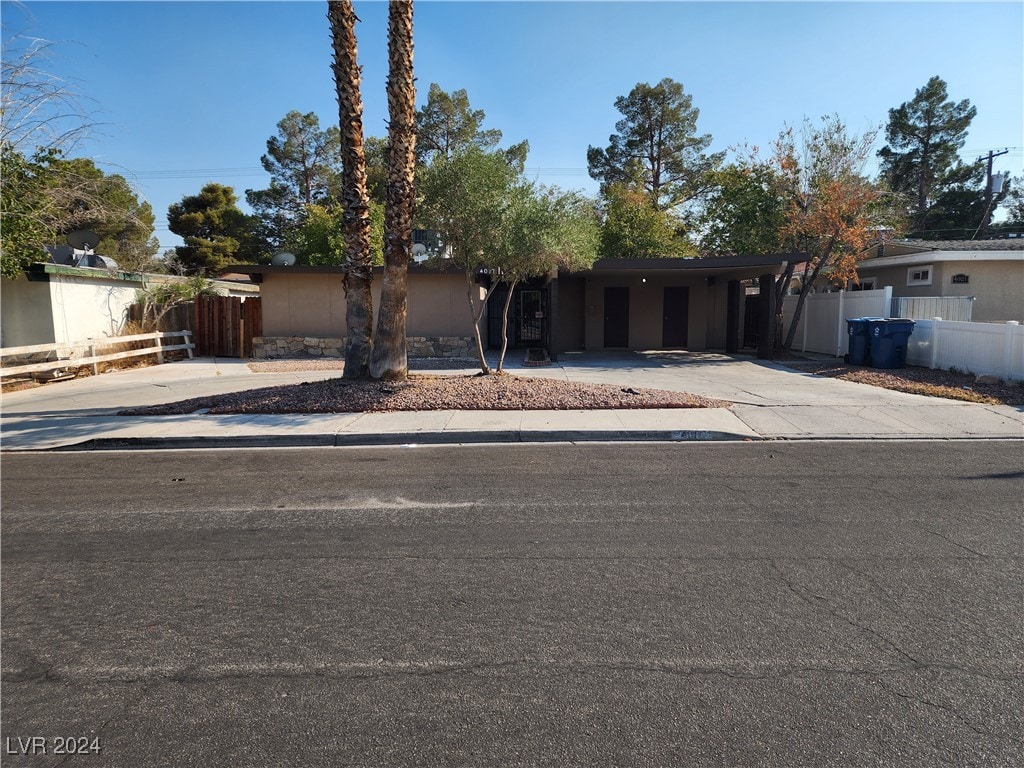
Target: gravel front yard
(918, 381)
(425, 392)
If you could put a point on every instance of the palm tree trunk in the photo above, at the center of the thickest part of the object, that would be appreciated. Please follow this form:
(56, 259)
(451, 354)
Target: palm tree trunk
(355, 199)
(390, 353)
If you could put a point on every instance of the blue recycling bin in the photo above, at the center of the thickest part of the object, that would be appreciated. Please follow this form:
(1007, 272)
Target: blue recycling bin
(889, 342)
(860, 340)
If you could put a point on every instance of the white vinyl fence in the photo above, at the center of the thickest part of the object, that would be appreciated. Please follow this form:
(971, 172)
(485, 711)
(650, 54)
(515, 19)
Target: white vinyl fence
(996, 349)
(822, 326)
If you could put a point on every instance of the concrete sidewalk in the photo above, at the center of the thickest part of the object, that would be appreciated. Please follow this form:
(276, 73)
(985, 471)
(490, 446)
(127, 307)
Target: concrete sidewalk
(770, 402)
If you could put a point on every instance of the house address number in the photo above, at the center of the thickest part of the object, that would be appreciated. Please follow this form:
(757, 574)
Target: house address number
(961, 278)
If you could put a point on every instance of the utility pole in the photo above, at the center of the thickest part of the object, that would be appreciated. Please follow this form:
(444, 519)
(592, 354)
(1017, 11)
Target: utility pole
(988, 193)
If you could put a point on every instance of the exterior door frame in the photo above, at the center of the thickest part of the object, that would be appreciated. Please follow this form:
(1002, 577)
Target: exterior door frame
(675, 311)
(616, 317)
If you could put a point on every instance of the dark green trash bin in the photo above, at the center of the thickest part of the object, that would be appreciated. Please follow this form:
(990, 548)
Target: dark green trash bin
(889, 342)
(859, 340)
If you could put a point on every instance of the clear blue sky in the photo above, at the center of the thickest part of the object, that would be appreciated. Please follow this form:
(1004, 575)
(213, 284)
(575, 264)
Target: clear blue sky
(189, 92)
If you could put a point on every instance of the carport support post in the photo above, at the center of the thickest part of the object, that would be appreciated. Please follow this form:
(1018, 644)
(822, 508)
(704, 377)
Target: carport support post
(766, 321)
(734, 291)
(552, 317)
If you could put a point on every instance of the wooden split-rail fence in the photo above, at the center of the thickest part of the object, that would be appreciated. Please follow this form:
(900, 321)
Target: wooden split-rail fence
(87, 353)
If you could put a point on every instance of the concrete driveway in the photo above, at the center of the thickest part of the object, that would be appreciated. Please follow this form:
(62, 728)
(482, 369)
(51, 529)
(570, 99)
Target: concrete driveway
(770, 401)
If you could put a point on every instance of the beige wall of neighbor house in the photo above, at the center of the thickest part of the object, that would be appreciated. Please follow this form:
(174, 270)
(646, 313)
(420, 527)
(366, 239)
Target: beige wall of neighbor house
(646, 310)
(313, 304)
(997, 285)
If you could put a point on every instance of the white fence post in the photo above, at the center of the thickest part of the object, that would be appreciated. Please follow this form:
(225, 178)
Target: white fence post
(840, 325)
(95, 366)
(807, 321)
(1011, 329)
(888, 301)
(935, 342)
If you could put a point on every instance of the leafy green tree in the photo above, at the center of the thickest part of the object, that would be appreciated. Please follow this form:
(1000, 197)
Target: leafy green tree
(319, 241)
(633, 229)
(656, 148)
(492, 218)
(464, 197)
(447, 124)
(212, 227)
(746, 210)
(831, 209)
(45, 197)
(87, 198)
(304, 163)
(25, 223)
(542, 230)
(375, 149)
(920, 160)
(1013, 202)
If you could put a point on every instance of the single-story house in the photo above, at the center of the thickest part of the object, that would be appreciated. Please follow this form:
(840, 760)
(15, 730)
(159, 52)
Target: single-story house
(990, 271)
(58, 303)
(692, 304)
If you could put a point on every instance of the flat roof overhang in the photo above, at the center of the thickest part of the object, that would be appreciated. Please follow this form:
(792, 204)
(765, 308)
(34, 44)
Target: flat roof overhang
(734, 267)
(256, 272)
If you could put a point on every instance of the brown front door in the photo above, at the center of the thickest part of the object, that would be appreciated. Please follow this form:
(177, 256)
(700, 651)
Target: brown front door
(616, 317)
(675, 317)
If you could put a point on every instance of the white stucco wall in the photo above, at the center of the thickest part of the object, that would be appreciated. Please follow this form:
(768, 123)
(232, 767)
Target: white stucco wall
(89, 308)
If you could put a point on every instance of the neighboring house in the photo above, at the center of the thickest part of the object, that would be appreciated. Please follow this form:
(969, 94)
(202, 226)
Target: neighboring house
(990, 271)
(692, 304)
(55, 303)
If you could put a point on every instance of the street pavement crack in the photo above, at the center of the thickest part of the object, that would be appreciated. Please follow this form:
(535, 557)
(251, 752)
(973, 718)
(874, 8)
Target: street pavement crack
(949, 710)
(821, 602)
(952, 541)
(892, 599)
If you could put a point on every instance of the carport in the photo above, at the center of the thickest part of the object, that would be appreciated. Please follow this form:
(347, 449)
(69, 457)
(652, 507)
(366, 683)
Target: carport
(691, 304)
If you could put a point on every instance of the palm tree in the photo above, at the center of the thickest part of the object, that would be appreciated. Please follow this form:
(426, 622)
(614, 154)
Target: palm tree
(355, 200)
(389, 360)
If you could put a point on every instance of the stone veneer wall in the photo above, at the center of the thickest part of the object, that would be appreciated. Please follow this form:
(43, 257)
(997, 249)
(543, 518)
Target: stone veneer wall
(267, 347)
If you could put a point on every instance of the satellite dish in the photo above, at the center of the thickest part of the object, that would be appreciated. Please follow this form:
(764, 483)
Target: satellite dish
(418, 249)
(83, 240)
(283, 259)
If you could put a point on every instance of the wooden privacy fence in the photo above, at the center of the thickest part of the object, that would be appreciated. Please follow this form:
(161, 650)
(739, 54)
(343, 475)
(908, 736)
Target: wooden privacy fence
(224, 326)
(65, 352)
(178, 316)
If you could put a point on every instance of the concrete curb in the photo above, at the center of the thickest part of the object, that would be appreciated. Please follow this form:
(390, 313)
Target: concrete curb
(396, 438)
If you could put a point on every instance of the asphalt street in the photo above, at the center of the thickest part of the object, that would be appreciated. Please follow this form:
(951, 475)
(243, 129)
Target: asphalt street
(755, 604)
